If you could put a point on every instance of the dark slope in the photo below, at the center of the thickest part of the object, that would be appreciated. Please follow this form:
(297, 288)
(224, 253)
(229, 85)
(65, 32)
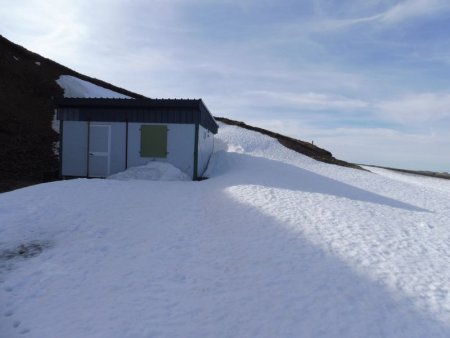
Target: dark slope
(299, 146)
(26, 112)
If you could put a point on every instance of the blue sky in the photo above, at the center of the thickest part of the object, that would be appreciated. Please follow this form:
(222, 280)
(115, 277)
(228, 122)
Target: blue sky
(367, 80)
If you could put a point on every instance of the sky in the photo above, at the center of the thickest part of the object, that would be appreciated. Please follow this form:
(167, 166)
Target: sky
(367, 80)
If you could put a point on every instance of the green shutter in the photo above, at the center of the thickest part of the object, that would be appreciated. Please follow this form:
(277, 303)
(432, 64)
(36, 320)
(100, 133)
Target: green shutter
(153, 141)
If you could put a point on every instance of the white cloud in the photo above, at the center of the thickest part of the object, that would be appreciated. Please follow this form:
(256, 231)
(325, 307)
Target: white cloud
(402, 11)
(413, 8)
(416, 109)
(380, 146)
(310, 100)
(47, 27)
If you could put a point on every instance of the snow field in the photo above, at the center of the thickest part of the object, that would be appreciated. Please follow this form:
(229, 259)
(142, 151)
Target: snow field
(273, 244)
(422, 181)
(401, 239)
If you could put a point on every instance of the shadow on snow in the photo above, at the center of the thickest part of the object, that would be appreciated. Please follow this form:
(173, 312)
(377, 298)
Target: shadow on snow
(264, 274)
(275, 174)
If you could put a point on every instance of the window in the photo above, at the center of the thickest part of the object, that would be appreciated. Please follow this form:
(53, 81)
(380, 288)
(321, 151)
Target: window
(154, 141)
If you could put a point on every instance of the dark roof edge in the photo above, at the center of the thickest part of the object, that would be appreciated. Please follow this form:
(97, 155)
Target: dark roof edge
(202, 115)
(206, 118)
(126, 102)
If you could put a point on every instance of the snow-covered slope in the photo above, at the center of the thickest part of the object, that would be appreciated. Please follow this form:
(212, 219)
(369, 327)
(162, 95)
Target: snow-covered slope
(75, 87)
(273, 244)
(424, 181)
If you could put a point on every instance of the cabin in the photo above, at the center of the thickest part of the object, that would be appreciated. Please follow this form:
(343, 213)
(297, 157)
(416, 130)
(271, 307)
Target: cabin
(103, 136)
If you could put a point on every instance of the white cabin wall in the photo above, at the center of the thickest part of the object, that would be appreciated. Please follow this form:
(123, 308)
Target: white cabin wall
(118, 147)
(205, 149)
(180, 146)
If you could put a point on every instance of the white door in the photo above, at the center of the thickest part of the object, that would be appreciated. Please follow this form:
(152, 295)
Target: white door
(99, 149)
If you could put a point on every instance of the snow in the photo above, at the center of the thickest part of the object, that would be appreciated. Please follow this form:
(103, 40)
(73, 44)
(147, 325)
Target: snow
(75, 87)
(273, 244)
(423, 181)
(16, 58)
(153, 170)
(37, 63)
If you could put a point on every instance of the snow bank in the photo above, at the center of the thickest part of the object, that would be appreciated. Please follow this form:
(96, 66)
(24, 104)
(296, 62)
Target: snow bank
(75, 87)
(153, 171)
(274, 244)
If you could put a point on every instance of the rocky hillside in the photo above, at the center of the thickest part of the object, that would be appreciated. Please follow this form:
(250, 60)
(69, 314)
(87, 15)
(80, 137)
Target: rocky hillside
(27, 89)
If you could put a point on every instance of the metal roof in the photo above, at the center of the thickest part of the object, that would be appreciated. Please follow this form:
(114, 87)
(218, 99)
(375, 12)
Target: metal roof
(185, 111)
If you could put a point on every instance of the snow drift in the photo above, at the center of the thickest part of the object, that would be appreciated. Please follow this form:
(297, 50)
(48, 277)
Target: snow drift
(154, 171)
(273, 244)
